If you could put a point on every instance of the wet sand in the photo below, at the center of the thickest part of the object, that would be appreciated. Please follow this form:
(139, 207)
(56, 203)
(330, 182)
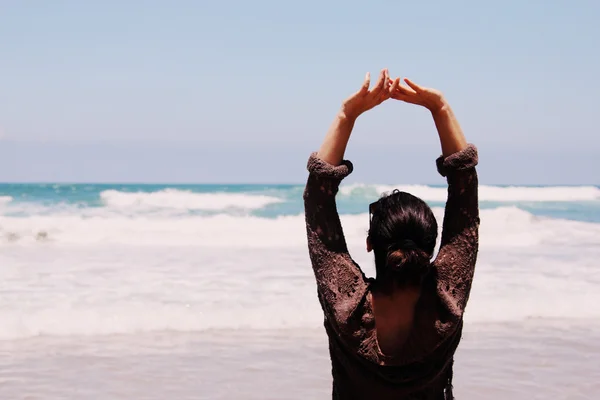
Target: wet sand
(521, 361)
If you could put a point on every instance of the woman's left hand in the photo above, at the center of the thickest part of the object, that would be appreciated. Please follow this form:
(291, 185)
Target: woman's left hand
(366, 99)
(431, 99)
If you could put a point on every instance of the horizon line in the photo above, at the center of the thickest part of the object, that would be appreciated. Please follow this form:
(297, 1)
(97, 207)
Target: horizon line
(142, 183)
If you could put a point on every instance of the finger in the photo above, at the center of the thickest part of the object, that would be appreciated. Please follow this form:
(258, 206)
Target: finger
(386, 85)
(413, 85)
(379, 86)
(405, 89)
(365, 87)
(395, 85)
(380, 82)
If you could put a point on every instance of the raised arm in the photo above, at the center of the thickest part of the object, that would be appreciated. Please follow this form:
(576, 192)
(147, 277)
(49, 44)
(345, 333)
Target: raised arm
(339, 280)
(455, 262)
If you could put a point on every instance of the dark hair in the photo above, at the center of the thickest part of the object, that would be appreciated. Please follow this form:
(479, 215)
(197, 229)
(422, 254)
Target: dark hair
(402, 233)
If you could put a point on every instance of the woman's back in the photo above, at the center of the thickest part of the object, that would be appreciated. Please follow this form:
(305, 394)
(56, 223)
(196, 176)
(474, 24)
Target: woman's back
(411, 351)
(398, 344)
(394, 318)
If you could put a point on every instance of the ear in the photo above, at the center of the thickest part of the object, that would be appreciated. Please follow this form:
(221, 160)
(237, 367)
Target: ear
(369, 247)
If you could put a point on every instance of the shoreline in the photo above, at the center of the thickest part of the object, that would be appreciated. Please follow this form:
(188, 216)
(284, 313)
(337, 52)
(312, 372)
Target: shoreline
(523, 361)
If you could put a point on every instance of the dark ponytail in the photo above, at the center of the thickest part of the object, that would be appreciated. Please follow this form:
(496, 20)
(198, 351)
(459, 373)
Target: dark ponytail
(403, 232)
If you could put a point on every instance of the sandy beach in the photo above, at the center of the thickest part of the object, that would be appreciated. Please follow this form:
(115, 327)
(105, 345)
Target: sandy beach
(524, 361)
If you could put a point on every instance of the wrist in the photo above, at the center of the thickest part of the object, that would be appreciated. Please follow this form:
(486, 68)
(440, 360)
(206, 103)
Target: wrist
(347, 116)
(439, 106)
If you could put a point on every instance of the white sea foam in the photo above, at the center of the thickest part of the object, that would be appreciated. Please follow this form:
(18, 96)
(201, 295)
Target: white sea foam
(486, 193)
(296, 309)
(500, 227)
(110, 288)
(97, 271)
(5, 200)
(186, 200)
(147, 317)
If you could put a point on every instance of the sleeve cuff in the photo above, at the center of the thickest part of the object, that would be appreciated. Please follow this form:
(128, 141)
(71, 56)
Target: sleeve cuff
(459, 161)
(321, 168)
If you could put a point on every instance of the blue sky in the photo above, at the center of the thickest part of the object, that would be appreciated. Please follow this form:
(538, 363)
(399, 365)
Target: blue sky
(237, 91)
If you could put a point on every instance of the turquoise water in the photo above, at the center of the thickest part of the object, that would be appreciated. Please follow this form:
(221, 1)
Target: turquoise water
(573, 203)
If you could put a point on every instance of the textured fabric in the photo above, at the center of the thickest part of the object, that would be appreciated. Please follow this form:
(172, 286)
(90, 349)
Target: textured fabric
(423, 369)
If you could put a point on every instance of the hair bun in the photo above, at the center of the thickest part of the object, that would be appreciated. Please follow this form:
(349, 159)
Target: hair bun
(397, 259)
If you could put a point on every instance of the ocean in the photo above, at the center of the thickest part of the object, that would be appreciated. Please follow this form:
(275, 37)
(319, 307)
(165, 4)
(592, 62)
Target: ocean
(206, 292)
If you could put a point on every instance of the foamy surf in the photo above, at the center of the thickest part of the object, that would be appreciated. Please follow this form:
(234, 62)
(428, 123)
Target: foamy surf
(107, 290)
(133, 318)
(5, 200)
(186, 200)
(505, 226)
(94, 260)
(486, 193)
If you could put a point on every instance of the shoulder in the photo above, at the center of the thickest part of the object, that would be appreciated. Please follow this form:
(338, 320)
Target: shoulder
(347, 302)
(350, 316)
(438, 311)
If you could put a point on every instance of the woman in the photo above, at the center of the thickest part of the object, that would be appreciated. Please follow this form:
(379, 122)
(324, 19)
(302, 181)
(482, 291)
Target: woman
(394, 337)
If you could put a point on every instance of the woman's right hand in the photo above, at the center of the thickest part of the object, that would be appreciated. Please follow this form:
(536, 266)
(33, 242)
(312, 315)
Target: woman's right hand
(366, 99)
(431, 99)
